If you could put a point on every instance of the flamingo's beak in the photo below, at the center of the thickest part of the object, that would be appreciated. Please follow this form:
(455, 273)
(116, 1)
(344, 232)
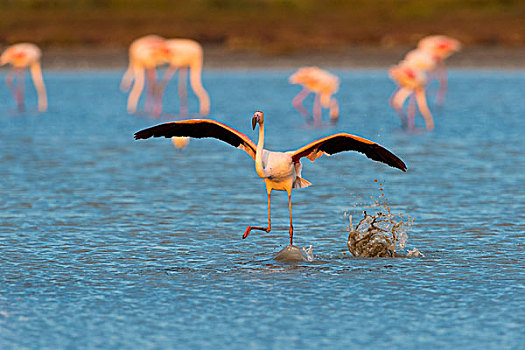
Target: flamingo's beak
(255, 119)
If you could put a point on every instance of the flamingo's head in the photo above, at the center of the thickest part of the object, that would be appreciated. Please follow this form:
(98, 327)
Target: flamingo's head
(258, 118)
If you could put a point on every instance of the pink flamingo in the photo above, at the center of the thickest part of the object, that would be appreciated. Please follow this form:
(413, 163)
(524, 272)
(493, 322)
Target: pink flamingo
(420, 61)
(412, 82)
(145, 54)
(184, 55)
(281, 171)
(21, 56)
(324, 85)
(441, 47)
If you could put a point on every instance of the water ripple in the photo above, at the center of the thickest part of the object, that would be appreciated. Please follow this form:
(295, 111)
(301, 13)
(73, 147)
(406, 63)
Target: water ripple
(111, 243)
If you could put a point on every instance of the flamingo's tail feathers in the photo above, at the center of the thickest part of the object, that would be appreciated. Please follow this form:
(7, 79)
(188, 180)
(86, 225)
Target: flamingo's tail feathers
(301, 183)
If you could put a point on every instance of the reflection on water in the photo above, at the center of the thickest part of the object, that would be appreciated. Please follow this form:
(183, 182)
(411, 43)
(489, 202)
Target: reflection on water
(108, 243)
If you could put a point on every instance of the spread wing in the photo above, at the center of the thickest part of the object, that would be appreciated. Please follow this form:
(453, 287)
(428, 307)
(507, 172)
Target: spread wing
(346, 142)
(200, 128)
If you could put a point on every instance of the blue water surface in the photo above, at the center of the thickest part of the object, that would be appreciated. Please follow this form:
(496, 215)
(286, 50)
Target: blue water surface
(112, 243)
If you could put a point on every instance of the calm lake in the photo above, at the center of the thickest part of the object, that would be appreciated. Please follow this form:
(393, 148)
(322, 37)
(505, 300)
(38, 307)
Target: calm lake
(107, 242)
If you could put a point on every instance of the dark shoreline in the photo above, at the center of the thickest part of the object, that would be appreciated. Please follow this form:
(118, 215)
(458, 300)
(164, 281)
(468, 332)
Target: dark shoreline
(217, 57)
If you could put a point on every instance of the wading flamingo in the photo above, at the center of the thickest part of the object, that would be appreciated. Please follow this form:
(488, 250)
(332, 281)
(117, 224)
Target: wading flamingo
(323, 84)
(419, 60)
(145, 54)
(184, 54)
(21, 56)
(281, 171)
(441, 47)
(412, 84)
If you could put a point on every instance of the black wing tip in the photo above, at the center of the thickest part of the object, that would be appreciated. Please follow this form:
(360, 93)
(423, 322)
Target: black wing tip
(141, 135)
(154, 131)
(387, 157)
(398, 163)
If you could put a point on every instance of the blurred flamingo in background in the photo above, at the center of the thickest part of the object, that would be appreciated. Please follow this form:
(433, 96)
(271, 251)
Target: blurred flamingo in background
(441, 47)
(412, 82)
(323, 84)
(415, 72)
(184, 54)
(420, 61)
(145, 54)
(21, 56)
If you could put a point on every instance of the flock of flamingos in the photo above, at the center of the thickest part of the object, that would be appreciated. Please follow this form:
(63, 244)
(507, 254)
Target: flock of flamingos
(281, 171)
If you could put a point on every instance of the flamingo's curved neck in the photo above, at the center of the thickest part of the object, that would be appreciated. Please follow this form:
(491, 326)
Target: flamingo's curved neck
(259, 152)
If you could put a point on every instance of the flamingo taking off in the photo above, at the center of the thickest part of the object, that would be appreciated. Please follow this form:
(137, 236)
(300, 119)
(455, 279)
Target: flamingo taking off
(412, 82)
(323, 84)
(184, 54)
(21, 56)
(145, 54)
(441, 47)
(281, 171)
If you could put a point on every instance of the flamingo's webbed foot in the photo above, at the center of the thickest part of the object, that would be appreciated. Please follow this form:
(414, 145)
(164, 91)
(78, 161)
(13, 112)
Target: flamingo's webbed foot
(247, 232)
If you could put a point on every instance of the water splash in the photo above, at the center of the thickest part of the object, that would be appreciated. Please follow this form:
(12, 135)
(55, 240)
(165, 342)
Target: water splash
(380, 234)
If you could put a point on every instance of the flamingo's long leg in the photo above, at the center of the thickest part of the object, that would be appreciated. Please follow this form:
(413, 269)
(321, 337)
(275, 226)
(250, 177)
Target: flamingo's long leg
(161, 87)
(38, 80)
(334, 110)
(317, 109)
(392, 97)
(149, 104)
(297, 102)
(423, 108)
(443, 83)
(10, 82)
(411, 113)
(398, 100)
(183, 91)
(267, 229)
(401, 97)
(127, 79)
(138, 86)
(196, 85)
(20, 89)
(290, 231)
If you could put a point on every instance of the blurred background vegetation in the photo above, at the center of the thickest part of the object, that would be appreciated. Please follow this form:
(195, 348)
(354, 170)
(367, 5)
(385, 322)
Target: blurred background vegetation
(271, 26)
